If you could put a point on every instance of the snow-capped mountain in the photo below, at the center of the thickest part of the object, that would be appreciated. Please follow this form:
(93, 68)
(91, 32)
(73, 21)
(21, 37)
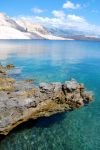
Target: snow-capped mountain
(23, 29)
(74, 34)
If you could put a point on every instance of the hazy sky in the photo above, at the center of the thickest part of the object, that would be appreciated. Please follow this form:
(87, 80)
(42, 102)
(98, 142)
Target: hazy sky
(61, 13)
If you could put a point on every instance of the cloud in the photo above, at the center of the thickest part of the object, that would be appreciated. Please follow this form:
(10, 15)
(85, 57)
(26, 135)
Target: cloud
(64, 21)
(75, 18)
(37, 10)
(58, 14)
(70, 5)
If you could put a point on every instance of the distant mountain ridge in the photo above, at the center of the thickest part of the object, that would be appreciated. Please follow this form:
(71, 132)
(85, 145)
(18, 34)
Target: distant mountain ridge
(24, 29)
(74, 34)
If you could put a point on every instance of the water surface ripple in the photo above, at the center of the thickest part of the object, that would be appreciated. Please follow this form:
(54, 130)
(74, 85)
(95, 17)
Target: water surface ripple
(52, 61)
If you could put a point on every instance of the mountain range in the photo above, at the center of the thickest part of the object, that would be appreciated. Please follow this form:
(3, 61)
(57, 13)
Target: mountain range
(23, 29)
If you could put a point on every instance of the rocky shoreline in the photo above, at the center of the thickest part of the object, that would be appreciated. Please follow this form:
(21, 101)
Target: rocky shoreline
(21, 100)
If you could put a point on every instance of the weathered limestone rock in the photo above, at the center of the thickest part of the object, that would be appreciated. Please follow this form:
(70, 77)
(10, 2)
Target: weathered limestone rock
(21, 101)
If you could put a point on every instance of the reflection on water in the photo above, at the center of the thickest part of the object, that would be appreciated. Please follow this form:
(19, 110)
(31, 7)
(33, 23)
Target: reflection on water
(56, 61)
(53, 50)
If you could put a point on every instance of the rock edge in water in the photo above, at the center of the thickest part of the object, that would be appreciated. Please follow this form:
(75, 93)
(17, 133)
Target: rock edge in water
(21, 101)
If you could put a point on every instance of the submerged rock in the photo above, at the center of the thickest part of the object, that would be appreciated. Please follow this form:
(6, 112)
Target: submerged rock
(21, 101)
(10, 66)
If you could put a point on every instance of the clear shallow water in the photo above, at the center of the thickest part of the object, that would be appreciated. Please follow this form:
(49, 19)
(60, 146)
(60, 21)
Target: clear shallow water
(56, 61)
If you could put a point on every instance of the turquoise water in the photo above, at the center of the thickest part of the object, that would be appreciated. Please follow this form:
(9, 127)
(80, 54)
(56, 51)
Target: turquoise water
(56, 61)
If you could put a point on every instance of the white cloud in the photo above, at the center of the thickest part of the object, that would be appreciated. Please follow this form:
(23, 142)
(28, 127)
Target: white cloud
(66, 22)
(75, 18)
(70, 5)
(37, 10)
(58, 14)
(74, 22)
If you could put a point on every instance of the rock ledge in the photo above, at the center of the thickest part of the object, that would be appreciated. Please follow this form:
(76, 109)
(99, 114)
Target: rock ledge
(21, 101)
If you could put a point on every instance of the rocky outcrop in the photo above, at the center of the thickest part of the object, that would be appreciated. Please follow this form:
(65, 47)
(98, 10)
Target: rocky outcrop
(21, 101)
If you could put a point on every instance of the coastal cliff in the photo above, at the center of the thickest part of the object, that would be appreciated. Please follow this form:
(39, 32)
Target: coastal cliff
(22, 100)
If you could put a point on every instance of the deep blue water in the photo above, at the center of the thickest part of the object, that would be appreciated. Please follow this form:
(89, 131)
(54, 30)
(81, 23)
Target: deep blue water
(56, 61)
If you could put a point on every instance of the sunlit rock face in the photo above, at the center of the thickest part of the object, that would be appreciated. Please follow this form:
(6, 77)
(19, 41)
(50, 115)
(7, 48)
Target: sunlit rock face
(21, 101)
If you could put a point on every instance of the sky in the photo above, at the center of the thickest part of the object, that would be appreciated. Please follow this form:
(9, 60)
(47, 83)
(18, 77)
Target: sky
(82, 14)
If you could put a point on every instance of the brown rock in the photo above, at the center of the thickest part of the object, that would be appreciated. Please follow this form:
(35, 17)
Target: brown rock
(10, 66)
(21, 101)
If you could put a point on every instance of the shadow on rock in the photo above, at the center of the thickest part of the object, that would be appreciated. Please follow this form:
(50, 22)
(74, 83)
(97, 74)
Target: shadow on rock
(42, 122)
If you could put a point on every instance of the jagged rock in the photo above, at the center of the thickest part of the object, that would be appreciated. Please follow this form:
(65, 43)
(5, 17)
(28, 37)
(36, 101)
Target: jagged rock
(21, 101)
(57, 86)
(6, 84)
(10, 66)
(71, 85)
(2, 71)
(46, 87)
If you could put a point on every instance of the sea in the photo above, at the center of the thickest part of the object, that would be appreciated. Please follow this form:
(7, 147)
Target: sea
(56, 61)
